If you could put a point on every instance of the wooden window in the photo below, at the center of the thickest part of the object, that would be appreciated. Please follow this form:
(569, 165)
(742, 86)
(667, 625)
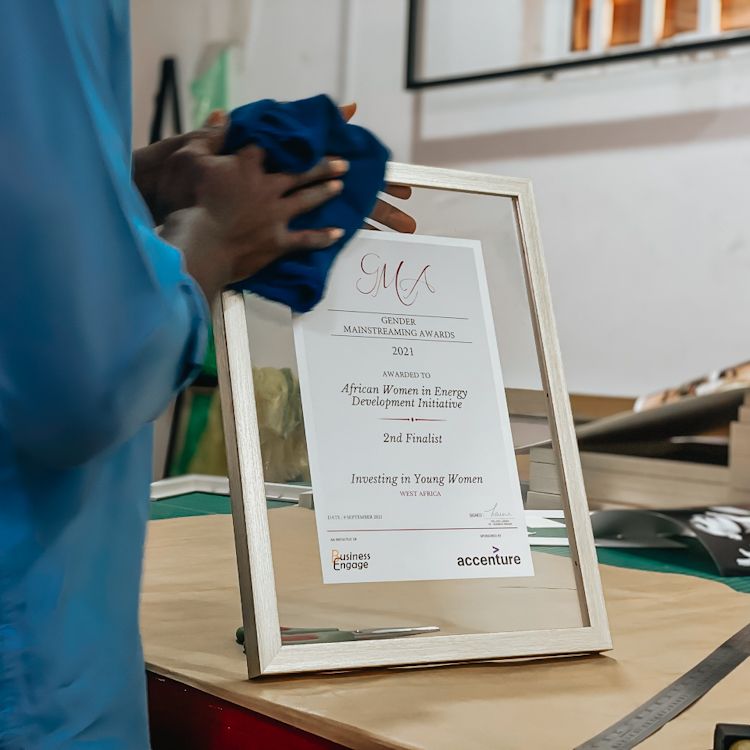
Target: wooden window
(680, 17)
(581, 25)
(735, 15)
(626, 22)
(622, 22)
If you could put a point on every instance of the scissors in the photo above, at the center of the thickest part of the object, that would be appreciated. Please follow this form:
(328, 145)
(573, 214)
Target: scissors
(290, 636)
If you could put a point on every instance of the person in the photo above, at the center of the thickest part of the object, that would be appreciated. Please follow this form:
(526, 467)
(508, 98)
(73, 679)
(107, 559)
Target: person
(103, 320)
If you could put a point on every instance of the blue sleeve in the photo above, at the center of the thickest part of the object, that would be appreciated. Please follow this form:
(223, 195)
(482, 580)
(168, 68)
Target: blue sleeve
(100, 324)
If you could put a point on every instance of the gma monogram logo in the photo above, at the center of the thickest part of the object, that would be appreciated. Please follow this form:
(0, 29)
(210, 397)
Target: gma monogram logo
(350, 560)
(404, 284)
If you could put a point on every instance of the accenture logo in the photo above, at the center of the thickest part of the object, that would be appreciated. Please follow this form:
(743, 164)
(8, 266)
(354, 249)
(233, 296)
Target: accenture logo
(495, 558)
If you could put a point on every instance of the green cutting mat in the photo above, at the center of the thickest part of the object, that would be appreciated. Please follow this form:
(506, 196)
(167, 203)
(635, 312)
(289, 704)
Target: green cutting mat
(671, 561)
(198, 504)
(658, 560)
(682, 562)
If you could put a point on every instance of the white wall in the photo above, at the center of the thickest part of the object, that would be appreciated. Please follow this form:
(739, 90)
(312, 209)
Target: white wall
(640, 170)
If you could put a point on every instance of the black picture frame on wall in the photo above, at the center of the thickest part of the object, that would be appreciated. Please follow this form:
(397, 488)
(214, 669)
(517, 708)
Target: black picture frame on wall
(413, 82)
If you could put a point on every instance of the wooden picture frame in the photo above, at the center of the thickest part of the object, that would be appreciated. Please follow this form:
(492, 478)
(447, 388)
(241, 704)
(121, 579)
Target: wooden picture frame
(265, 653)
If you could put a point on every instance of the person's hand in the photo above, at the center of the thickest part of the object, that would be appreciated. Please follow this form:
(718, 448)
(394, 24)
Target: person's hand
(162, 189)
(166, 188)
(384, 212)
(238, 217)
(389, 215)
(229, 216)
(172, 180)
(147, 168)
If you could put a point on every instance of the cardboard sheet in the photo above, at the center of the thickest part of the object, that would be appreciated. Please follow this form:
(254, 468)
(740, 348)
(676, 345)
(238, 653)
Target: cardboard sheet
(662, 625)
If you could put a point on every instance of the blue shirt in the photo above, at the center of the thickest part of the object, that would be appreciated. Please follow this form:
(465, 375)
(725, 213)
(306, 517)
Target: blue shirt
(99, 326)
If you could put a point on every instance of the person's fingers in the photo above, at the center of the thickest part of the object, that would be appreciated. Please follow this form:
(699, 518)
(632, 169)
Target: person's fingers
(348, 110)
(325, 169)
(252, 153)
(210, 138)
(186, 169)
(214, 138)
(197, 147)
(398, 191)
(304, 200)
(313, 239)
(216, 119)
(392, 217)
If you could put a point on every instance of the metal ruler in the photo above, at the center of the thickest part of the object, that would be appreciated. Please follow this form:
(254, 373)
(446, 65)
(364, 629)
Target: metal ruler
(675, 698)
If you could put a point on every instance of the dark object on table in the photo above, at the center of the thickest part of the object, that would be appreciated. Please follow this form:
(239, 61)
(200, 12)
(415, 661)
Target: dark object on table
(721, 531)
(726, 735)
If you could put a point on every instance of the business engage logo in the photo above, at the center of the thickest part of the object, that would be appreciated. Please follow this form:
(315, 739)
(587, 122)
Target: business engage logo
(494, 558)
(350, 560)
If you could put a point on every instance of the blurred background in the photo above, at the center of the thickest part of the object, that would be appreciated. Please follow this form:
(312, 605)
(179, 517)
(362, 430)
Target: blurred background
(639, 159)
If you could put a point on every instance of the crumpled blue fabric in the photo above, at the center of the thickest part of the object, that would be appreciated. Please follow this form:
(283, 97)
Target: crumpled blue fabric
(296, 136)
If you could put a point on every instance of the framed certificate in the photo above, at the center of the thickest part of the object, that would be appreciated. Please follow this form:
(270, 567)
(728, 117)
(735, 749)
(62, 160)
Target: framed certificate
(397, 399)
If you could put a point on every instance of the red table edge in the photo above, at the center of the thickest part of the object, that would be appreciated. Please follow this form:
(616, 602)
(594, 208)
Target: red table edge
(181, 716)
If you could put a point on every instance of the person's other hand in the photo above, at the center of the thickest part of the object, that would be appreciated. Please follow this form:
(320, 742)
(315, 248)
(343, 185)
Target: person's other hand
(172, 180)
(384, 212)
(163, 191)
(238, 217)
(389, 215)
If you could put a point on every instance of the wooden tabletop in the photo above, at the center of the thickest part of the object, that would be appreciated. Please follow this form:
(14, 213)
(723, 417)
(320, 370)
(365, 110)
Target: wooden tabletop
(662, 625)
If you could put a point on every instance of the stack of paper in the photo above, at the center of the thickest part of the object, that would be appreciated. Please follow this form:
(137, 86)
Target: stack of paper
(631, 481)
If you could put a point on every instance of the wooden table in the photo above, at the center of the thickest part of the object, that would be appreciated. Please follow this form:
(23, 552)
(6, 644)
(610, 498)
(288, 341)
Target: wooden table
(662, 625)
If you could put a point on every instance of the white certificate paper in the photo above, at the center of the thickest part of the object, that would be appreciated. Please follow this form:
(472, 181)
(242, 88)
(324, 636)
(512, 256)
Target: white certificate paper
(411, 456)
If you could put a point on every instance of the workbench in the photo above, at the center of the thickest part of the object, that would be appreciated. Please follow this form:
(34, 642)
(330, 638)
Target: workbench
(662, 624)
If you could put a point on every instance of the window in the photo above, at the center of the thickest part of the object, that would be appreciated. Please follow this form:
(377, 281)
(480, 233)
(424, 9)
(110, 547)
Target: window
(680, 17)
(598, 25)
(735, 15)
(508, 38)
(581, 25)
(626, 22)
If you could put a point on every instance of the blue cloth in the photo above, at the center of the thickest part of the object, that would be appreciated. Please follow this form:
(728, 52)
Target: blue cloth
(296, 136)
(99, 325)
